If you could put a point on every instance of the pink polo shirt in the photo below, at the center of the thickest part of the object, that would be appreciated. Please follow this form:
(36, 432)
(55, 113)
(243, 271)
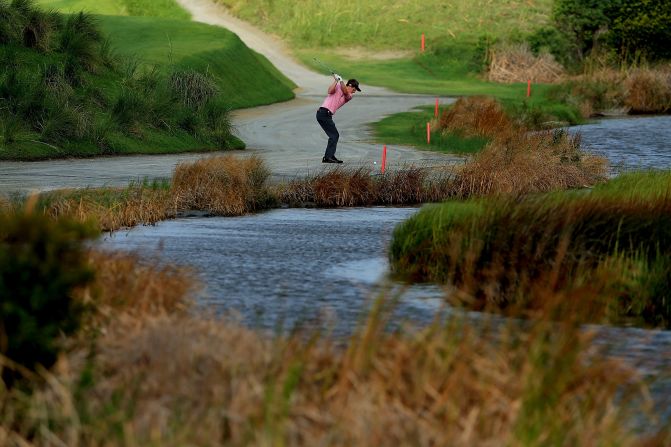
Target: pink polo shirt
(336, 100)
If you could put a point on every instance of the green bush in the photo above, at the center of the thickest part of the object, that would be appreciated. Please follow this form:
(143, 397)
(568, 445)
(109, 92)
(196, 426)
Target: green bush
(41, 262)
(643, 27)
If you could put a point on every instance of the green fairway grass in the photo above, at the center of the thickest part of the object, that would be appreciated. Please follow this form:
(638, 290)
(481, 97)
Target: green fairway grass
(409, 128)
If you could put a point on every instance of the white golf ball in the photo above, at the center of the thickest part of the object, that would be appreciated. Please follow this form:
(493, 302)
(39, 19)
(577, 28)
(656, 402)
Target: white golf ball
(374, 162)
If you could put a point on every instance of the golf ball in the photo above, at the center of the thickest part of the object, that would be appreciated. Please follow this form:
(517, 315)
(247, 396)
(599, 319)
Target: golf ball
(374, 162)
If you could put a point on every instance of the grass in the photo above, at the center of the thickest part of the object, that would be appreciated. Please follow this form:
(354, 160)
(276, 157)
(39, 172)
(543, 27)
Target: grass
(161, 33)
(382, 25)
(73, 93)
(243, 77)
(409, 128)
(154, 8)
(609, 249)
(225, 186)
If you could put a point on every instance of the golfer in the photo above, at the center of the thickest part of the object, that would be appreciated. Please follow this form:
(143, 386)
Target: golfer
(338, 94)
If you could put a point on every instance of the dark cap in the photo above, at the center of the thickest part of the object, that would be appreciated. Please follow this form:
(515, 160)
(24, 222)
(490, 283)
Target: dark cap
(354, 83)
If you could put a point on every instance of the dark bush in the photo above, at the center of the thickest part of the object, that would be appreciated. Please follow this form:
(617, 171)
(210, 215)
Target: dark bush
(42, 261)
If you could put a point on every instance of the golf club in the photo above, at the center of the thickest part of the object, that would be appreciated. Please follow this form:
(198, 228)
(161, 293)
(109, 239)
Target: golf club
(330, 70)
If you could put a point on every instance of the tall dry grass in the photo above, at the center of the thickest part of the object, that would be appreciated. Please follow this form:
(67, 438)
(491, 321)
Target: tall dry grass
(344, 186)
(111, 208)
(127, 285)
(634, 90)
(648, 91)
(475, 116)
(150, 370)
(517, 63)
(517, 161)
(524, 163)
(226, 185)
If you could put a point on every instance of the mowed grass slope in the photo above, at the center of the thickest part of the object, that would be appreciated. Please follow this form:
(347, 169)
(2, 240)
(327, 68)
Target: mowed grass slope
(114, 84)
(160, 32)
(244, 77)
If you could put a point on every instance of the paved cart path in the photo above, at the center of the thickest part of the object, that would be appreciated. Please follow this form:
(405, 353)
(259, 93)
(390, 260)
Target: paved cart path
(286, 135)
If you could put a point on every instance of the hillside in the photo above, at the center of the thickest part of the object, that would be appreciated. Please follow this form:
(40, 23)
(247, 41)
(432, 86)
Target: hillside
(87, 85)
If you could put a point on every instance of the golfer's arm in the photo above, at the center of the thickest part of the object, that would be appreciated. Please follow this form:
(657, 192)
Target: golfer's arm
(332, 88)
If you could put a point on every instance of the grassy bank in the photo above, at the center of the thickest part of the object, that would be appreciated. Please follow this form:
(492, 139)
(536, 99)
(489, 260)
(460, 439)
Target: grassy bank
(409, 128)
(608, 248)
(161, 33)
(86, 85)
(142, 366)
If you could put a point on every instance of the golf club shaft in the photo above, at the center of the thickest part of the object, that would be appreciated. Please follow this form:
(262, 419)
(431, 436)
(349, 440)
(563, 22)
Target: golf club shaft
(332, 71)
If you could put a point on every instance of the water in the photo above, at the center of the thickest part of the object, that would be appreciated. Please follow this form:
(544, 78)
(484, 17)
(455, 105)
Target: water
(287, 266)
(630, 143)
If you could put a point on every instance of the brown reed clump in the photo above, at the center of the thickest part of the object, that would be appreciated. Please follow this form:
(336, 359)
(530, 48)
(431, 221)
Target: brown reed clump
(111, 208)
(475, 116)
(127, 285)
(648, 91)
(516, 63)
(357, 187)
(637, 90)
(225, 185)
(523, 163)
(344, 187)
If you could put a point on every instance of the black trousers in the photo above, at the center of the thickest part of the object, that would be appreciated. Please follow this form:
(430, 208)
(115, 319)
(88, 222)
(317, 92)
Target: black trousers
(325, 119)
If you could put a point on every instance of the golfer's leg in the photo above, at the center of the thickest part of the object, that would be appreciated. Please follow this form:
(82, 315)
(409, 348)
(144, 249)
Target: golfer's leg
(332, 132)
(326, 123)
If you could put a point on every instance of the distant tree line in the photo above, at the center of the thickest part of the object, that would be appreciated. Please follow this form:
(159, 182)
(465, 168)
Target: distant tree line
(625, 30)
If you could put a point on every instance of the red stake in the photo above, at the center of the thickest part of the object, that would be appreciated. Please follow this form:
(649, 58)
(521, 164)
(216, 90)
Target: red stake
(384, 157)
(428, 133)
(435, 112)
(422, 42)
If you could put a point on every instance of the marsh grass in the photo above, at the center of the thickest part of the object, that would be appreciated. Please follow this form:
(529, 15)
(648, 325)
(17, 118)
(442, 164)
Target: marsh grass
(357, 186)
(149, 368)
(500, 251)
(634, 90)
(111, 208)
(524, 163)
(226, 185)
(477, 116)
(517, 161)
(127, 286)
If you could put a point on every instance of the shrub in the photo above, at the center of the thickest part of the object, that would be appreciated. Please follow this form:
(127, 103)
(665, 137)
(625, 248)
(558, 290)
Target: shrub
(42, 261)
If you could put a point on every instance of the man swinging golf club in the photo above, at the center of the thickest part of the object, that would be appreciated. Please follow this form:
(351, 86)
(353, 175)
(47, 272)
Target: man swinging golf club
(339, 93)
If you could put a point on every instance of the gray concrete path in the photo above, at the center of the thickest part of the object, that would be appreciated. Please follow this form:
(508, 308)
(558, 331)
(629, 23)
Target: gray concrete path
(286, 135)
